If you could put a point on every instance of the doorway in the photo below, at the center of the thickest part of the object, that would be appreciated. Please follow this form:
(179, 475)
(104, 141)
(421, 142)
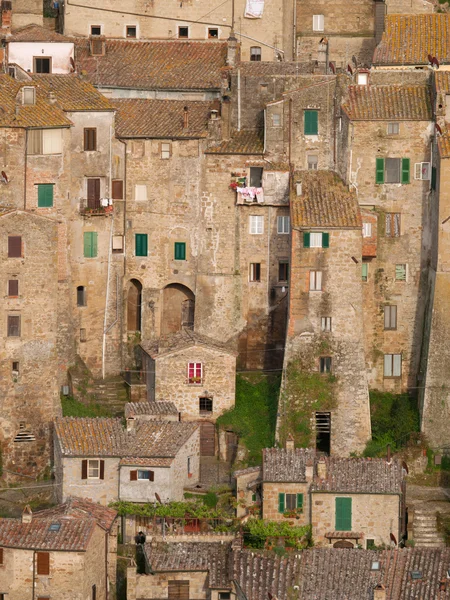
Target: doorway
(323, 432)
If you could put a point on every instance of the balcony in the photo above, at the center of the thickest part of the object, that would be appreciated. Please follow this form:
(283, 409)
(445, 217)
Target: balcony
(95, 207)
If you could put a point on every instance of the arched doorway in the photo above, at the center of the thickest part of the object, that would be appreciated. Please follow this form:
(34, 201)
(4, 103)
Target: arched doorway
(178, 309)
(343, 544)
(134, 305)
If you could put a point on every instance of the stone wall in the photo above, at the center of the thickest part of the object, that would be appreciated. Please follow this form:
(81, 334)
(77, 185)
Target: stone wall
(102, 491)
(157, 586)
(270, 501)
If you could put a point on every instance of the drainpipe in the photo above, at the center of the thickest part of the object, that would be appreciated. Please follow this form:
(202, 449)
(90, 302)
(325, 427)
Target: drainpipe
(34, 573)
(106, 567)
(124, 217)
(25, 172)
(107, 296)
(239, 98)
(294, 41)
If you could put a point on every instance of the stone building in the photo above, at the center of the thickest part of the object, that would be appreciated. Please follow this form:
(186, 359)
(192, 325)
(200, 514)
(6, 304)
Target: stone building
(100, 460)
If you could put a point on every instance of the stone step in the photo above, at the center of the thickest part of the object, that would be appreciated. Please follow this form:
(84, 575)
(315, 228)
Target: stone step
(419, 544)
(430, 535)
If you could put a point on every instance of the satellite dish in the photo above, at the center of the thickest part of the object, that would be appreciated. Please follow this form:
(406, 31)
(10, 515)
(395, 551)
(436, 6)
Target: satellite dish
(4, 177)
(393, 538)
(332, 67)
(349, 69)
(157, 497)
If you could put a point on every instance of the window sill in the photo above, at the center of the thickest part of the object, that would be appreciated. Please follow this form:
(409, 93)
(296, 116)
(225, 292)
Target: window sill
(205, 413)
(197, 383)
(392, 376)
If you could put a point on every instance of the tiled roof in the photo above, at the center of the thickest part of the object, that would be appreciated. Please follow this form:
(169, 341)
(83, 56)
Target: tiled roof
(409, 39)
(36, 33)
(273, 69)
(444, 144)
(247, 141)
(15, 114)
(360, 475)
(280, 464)
(107, 437)
(384, 102)
(213, 557)
(161, 118)
(72, 535)
(181, 340)
(325, 202)
(80, 508)
(150, 408)
(145, 462)
(72, 93)
(247, 471)
(154, 65)
(442, 81)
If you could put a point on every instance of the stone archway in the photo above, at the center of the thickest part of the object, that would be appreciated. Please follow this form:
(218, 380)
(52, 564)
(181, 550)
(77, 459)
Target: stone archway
(178, 307)
(134, 305)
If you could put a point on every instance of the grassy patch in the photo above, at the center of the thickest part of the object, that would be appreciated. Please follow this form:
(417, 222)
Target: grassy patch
(258, 533)
(73, 408)
(254, 416)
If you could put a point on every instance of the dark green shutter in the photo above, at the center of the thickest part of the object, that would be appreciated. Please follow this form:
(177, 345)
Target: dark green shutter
(300, 501)
(405, 170)
(311, 122)
(45, 195)
(343, 514)
(379, 178)
(325, 240)
(180, 251)
(281, 503)
(141, 246)
(433, 178)
(90, 244)
(306, 239)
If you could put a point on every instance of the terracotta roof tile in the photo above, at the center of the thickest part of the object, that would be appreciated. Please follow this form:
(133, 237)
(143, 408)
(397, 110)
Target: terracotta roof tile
(154, 65)
(72, 93)
(280, 464)
(80, 508)
(146, 462)
(384, 102)
(181, 340)
(161, 118)
(325, 202)
(36, 33)
(442, 81)
(444, 144)
(247, 141)
(409, 39)
(150, 408)
(72, 534)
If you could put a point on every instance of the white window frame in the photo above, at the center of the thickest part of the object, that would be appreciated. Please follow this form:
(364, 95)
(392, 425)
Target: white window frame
(318, 23)
(422, 171)
(184, 27)
(362, 78)
(93, 465)
(283, 224)
(276, 120)
(367, 230)
(136, 26)
(325, 323)
(315, 281)
(49, 141)
(30, 89)
(316, 239)
(389, 311)
(392, 365)
(139, 471)
(166, 150)
(256, 224)
(196, 364)
(140, 192)
(312, 166)
(252, 273)
(393, 128)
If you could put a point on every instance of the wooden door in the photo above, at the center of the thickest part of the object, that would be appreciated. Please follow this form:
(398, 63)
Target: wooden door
(178, 590)
(207, 438)
(93, 193)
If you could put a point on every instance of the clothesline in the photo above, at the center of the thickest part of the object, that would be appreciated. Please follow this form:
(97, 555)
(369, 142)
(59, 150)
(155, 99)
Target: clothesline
(250, 193)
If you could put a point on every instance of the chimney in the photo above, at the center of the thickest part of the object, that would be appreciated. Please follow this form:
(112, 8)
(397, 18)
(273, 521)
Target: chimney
(232, 50)
(290, 442)
(226, 118)
(322, 468)
(380, 12)
(131, 424)
(186, 118)
(379, 593)
(52, 97)
(27, 515)
(6, 8)
(388, 454)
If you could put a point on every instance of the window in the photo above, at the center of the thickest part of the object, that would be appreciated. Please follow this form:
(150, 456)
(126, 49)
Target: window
(255, 272)
(392, 365)
(365, 271)
(195, 374)
(140, 192)
(422, 171)
(13, 326)
(392, 170)
(256, 224)
(166, 150)
(83, 337)
(14, 246)
(183, 32)
(393, 128)
(227, 595)
(1, 560)
(90, 244)
(42, 64)
(117, 244)
(276, 120)
(93, 193)
(213, 33)
(45, 195)
(315, 281)
(392, 225)
(93, 469)
(205, 405)
(343, 514)
(255, 53)
(131, 31)
(318, 22)
(362, 78)
(28, 95)
(283, 225)
(256, 174)
(316, 240)
(311, 122)
(145, 475)
(313, 162)
(178, 590)
(117, 189)
(43, 563)
(96, 30)
(283, 270)
(180, 251)
(13, 288)
(189, 466)
(367, 230)
(400, 272)
(325, 323)
(44, 141)
(90, 139)
(290, 502)
(325, 364)
(390, 317)
(141, 244)
(81, 295)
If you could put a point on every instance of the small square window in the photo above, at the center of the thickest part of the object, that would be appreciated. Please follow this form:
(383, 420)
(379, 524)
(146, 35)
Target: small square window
(362, 78)
(255, 272)
(96, 30)
(256, 224)
(367, 230)
(180, 251)
(93, 469)
(131, 31)
(325, 323)
(165, 151)
(393, 128)
(400, 272)
(318, 22)
(145, 475)
(213, 33)
(183, 32)
(375, 566)
(313, 162)
(276, 120)
(13, 288)
(283, 271)
(206, 405)
(284, 224)
(255, 53)
(315, 240)
(42, 64)
(28, 95)
(392, 365)
(325, 364)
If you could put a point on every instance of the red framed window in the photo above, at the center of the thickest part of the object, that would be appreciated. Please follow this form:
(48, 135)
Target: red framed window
(195, 373)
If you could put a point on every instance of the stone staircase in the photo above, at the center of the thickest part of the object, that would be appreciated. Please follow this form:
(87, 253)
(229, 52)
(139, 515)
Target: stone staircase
(110, 393)
(214, 472)
(425, 531)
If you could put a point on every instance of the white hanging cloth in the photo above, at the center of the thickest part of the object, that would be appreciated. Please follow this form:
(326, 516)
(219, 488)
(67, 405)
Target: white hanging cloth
(254, 9)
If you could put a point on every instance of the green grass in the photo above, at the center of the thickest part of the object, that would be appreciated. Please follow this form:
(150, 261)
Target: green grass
(254, 416)
(73, 408)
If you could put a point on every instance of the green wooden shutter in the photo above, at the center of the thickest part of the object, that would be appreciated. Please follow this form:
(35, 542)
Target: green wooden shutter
(405, 170)
(433, 178)
(379, 178)
(306, 239)
(180, 251)
(281, 503)
(141, 245)
(325, 240)
(311, 122)
(45, 195)
(343, 514)
(94, 244)
(90, 244)
(300, 501)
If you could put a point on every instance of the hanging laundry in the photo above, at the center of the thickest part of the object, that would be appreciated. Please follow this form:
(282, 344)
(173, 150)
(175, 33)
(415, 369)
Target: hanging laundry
(254, 9)
(260, 195)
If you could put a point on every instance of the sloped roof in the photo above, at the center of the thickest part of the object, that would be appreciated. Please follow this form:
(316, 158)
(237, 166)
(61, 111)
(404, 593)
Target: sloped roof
(161, 118)
(171, 64)
(384, 102)
(183, 339)
(325, 202)
(72, 535)
(442, 81)
(36, 33)
(444, 144)
(80, 508)
(72, 93)
(150, 408)
(246, 141)
(284, 465)
(409, 39)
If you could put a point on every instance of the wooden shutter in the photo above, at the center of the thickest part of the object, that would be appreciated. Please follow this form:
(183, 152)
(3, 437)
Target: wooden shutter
(13, 287)
(117, 189)
(14, 246)
(84, 469)
(405, 170)
(45, 195)
(306, 239)
(141, 244)
(300, 501)
(433, 178)
(325, 240)
(43, 563)
(133, 475)
(311, 122)
(90, 139)
(93, 193)
(178, 590)
(13, 326)
(343, 514)
(102, 469)
(180, 251)
(90, 244)
(281, 503)
(151, 476)
(1, 556)
(379, 176)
